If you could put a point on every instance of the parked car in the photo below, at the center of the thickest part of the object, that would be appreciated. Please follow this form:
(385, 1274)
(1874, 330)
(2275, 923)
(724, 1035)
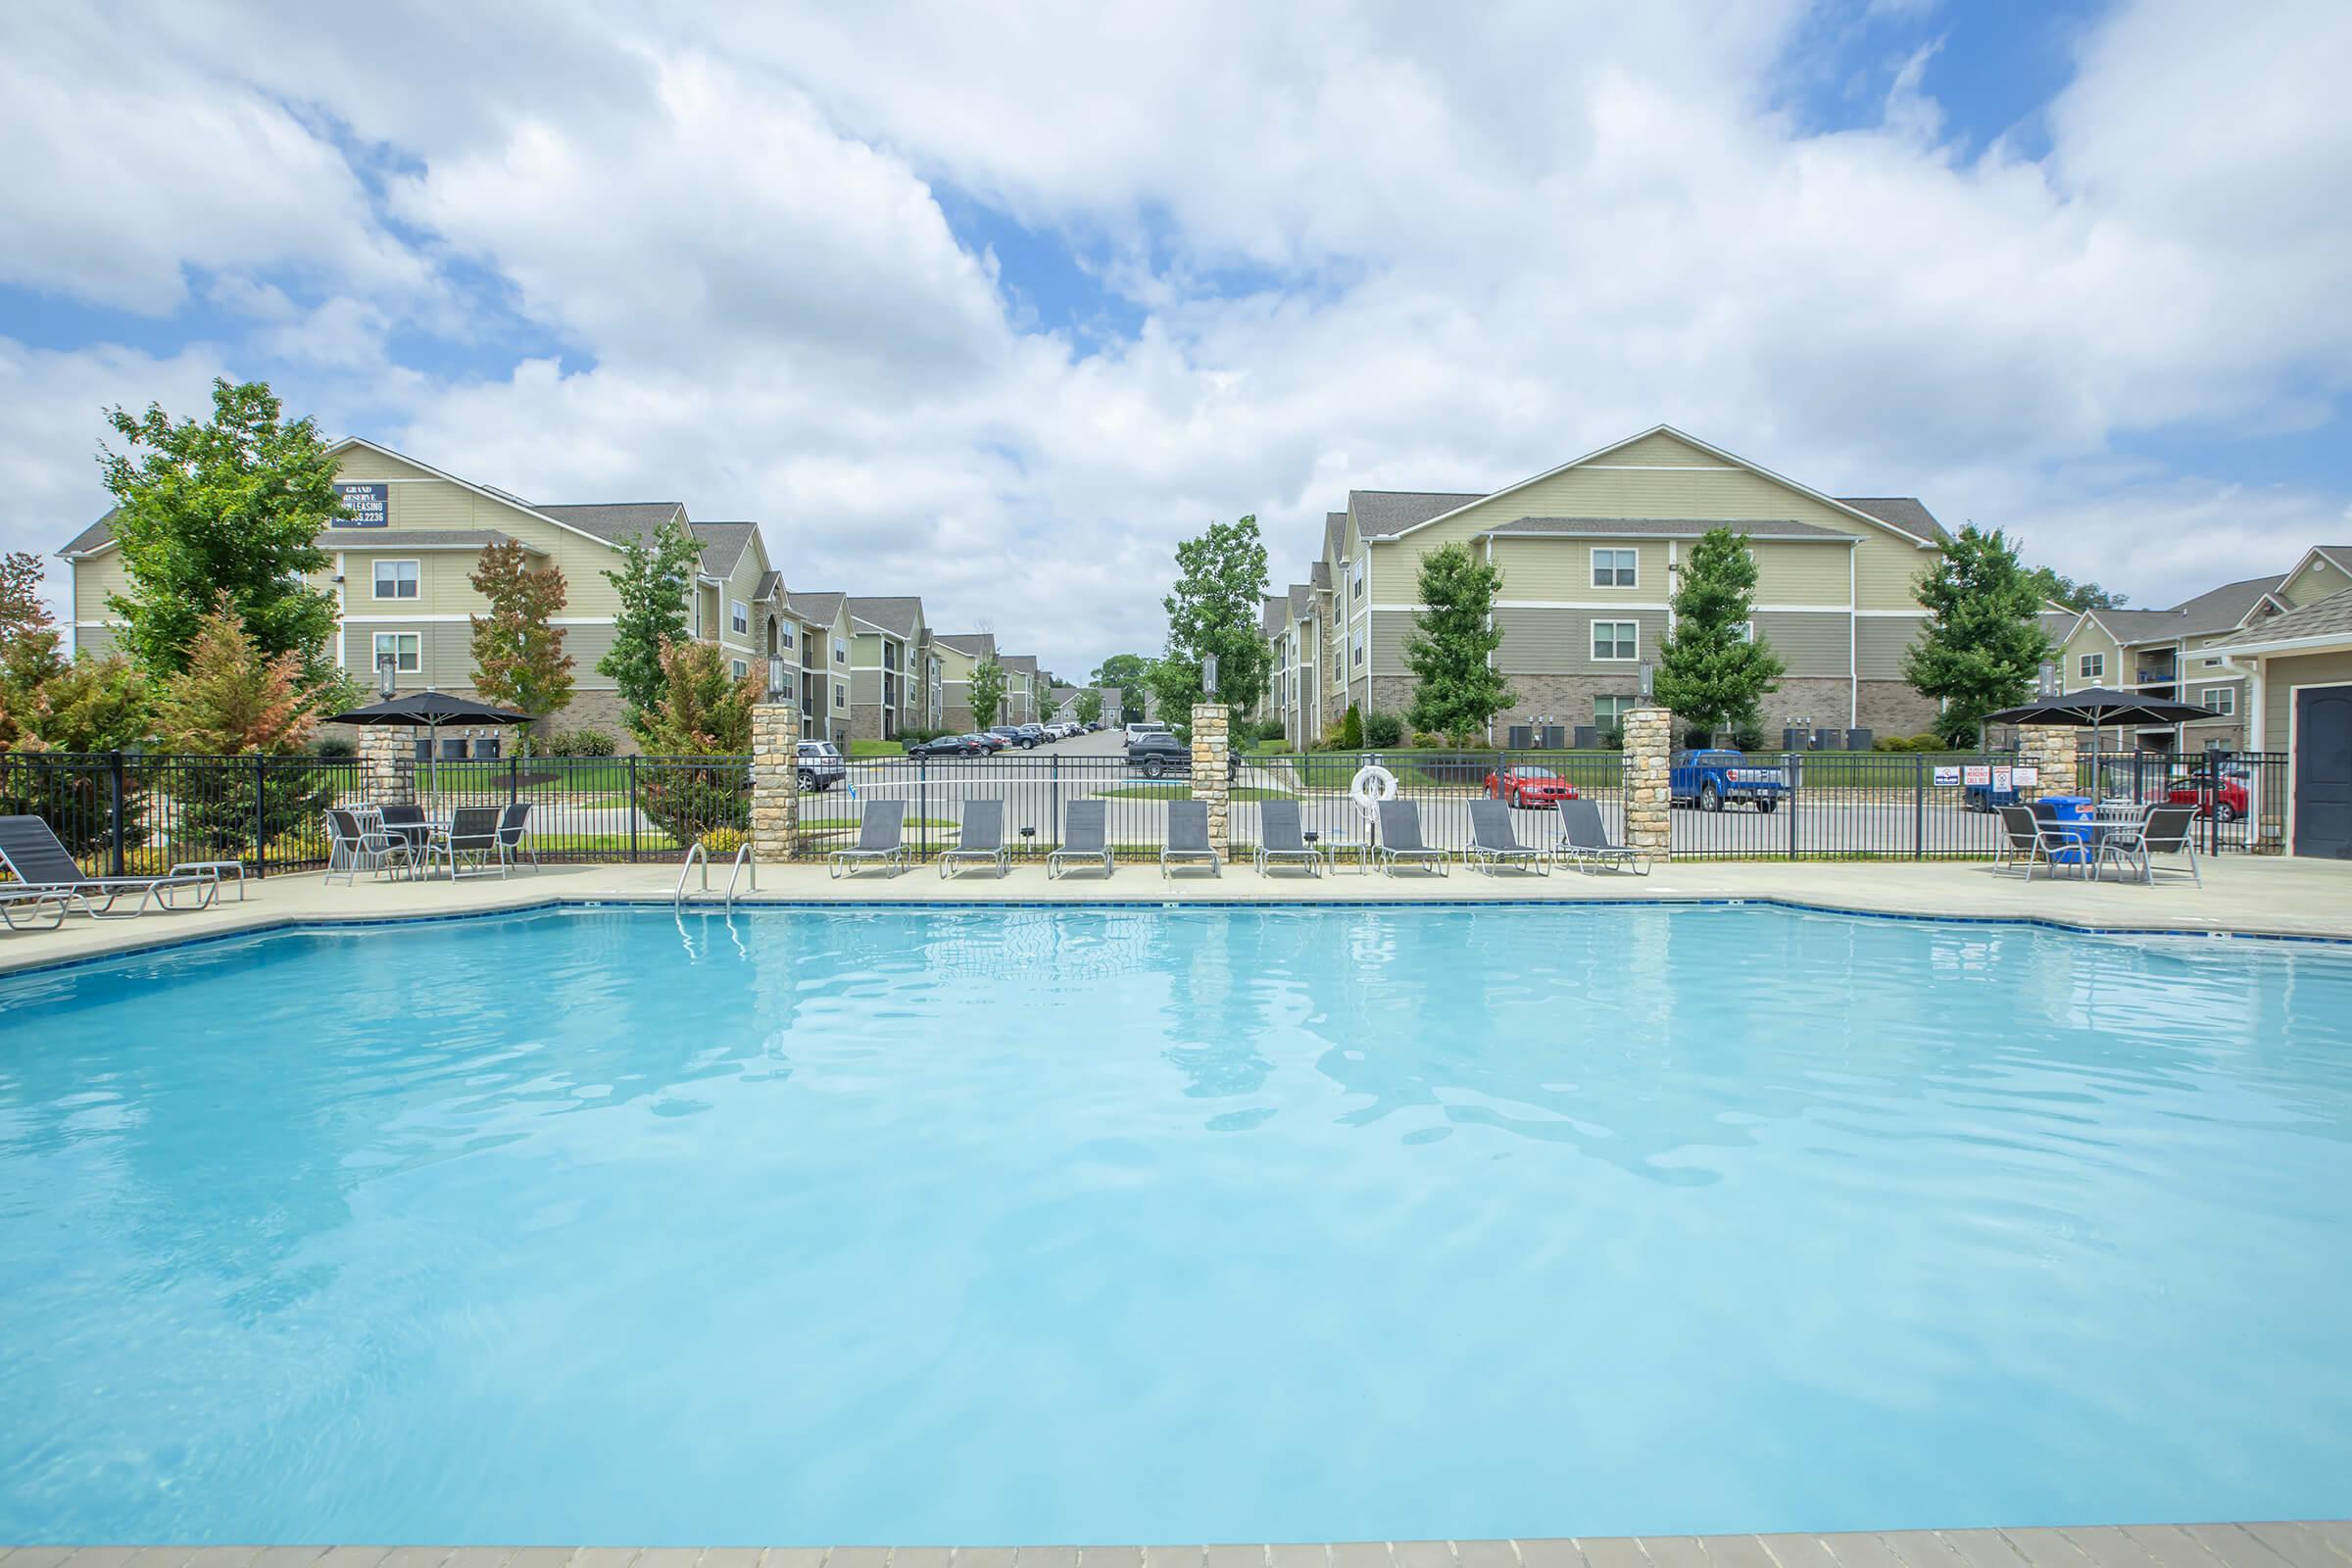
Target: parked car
(1533, 788)
(1031, 734)
(1157, 752)
(1147, 726)
(1010, 735)
(947, 746)
(819, 766)
(1714, 779)
(2227, 801)
(988, 741)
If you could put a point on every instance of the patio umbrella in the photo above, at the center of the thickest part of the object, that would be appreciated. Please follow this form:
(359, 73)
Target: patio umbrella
(428, 711)
(2095, 708)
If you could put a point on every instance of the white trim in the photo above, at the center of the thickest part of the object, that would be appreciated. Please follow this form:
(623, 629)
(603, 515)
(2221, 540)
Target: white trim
(1667, 467)
(1895, 615)
(375, 580)
(341, 650)
(1592, 567)
(2316, 643)
(1853, 642)
(1733, 459)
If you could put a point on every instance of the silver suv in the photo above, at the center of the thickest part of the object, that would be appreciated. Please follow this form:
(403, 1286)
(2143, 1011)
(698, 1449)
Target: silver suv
(820, 765)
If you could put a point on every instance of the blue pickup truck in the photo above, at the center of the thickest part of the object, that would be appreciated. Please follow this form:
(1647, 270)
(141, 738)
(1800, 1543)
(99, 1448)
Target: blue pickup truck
(1715, 779)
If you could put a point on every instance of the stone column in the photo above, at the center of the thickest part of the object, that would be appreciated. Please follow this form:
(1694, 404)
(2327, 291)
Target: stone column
(2052, 750)
(775, 782)
(1649, 753)
(388, 764)
(1212, 780)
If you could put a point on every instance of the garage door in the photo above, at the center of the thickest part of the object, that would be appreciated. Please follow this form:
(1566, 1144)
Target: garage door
(2324, 772)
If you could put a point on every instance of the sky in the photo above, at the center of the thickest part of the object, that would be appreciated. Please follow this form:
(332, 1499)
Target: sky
(994, 303)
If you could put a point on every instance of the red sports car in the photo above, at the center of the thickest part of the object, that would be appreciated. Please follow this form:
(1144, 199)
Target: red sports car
(2228, 803)
(1536, 788)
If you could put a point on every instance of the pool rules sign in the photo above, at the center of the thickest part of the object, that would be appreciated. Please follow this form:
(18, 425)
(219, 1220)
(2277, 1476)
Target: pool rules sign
(365, 506)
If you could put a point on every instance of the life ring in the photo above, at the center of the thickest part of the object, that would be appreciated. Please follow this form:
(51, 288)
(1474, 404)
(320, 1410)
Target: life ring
(1371, 785)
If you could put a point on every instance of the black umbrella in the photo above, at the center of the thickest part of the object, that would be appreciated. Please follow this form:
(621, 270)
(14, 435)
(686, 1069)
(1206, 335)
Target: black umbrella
(2095, 708)
(428, 711)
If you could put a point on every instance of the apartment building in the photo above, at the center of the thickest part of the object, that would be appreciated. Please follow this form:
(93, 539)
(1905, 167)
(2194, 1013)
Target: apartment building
(892, 680)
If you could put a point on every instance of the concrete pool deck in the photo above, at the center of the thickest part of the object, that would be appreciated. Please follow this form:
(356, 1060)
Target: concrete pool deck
(2322, 1544)
(2242, 895)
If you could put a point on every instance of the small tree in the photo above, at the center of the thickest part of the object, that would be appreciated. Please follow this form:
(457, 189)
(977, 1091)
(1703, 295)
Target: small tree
(1984, 643)
(236, 700)
(28, 642)
(1046, 706)
(987, 692)
(1214, 608)
(651, 580)
(1715, 670)
(1352, 729)
(1087, 707)
(230, 508)
(519, 657)
(1457, 691)
(703, 712)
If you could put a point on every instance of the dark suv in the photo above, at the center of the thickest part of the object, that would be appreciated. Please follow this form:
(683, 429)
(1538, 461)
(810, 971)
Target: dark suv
(1157, 753)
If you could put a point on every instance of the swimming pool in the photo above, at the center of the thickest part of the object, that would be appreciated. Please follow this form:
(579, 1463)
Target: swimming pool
(1210, 1224)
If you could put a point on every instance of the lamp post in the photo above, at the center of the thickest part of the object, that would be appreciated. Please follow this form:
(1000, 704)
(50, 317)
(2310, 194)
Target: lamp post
(1209, 674)
(387, 674)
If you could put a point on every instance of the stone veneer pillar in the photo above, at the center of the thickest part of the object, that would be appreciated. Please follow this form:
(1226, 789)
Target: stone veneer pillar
(388, 764)
(2053, 751)
(1649, 812)
(1212, 777)
(775, 782)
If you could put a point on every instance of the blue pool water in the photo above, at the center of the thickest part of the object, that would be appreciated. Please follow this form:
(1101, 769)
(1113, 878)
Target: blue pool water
(1108, 1225)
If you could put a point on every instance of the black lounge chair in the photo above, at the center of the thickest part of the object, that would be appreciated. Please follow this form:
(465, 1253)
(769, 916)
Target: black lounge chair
(1085, 838)
(881, 828)
(1585, 841)
(1401, 840)
(1188, 839)
(980, 839)
(38, 861)
(1280, 839)
(1494, 843)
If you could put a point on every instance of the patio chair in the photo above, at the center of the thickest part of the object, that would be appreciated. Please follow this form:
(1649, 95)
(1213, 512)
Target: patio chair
(881, 828)
(470, 836)
(1280, 839)
(40, 862)
(1494, 843)
(357, 843)
(2168, 830)
(407, 822)
(980, 839)
(1585, 841)
(1188, 839)
(2022, 844)
(512, 846)
(1085, 837)
(1400, 841)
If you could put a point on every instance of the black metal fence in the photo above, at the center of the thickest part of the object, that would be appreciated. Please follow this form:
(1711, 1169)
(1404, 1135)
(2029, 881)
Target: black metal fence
(2240, 797)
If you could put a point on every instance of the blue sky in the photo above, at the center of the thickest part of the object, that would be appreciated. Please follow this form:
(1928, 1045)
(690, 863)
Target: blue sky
(995, 310)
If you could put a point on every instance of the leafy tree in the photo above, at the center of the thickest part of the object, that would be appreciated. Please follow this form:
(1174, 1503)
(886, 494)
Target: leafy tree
(1456, 691)
(231, 506)
(1714, 670)
(28, 642)
(236, 699)
(1984, 643)
(2053, 588)
(702, 712)
(519, 657)
(1046, 706)
(987, 692)
(652, 581)
(1087, 707)
(1215, 610)
(1122, 670)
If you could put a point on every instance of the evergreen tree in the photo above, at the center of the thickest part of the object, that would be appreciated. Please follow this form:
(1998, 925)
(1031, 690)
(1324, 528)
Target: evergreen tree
(1456, 689)
(651, 580)
(1983, 644)
(519, 657)
(1714, 670)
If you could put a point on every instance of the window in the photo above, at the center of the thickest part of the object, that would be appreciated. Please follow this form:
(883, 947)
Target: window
(739, 615)
(396, 579)
(2213, 663)
(2091, 666)
(1614, 569)
(840, 695)
(2223, 700)
(1356, 654)
(784, 633)
(1616, 640)
(402, 646)
(841, 652)
(1609, 712)
(1744, 630)
(739, 668)
(1355, 579)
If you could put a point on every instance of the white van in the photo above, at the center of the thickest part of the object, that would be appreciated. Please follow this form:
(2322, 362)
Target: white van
(1148, 726)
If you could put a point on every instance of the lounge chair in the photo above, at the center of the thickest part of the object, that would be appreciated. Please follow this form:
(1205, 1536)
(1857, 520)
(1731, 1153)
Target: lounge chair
(20, 908)
(1494, 843)
(1280, 840)
(1085, 837)
(1400, 841)
(471, 837)
(2168, 830)
(981, 839)
(1585, 841)
(40, 862)
(881, 827)
(357, 843)
(1188, 839)
(512, 846)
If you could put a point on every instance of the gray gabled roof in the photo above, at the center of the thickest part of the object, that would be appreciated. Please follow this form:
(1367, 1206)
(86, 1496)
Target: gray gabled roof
(2220, 608)
(2330, 617)
(1271, 615)
(1303, 601)
(1665, 527)
(722, 543)
(2057, 623)
(1335, 532)
(613, 520)
(816, 610)
(1319, 574)
(971, 644)
(96, 534)
(1025, 663)
(1898, 512)
(901, 616)
(772, 583)
(1381, 512)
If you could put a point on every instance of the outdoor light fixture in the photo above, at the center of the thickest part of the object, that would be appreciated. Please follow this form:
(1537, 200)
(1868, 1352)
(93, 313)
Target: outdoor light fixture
(1649, 680)
(387, 672)
(2049, 679)
(1209, 674)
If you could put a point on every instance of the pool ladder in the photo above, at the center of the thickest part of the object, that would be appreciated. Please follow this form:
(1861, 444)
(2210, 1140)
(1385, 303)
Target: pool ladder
(745, 866)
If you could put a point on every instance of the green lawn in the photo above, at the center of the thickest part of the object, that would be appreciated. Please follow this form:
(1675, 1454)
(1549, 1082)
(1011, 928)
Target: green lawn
(877, 747)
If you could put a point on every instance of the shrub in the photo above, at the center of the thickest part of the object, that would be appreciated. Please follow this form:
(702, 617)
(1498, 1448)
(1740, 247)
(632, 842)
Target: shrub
(1424, 740)
(1266, 729)
(333, 746)
(1612, 737)
(688, 803)
(719, 841)
(585, 741)
(1383, 731)
(1748, 737)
